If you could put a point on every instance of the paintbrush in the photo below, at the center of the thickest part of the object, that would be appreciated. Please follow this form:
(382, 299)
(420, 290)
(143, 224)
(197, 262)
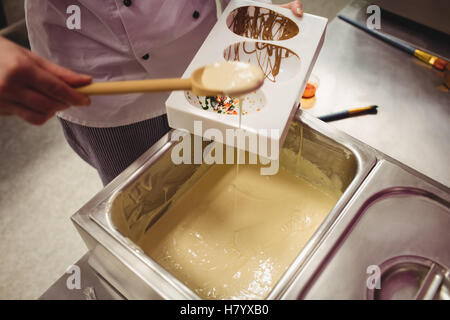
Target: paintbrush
(426, 57)
(349, 113)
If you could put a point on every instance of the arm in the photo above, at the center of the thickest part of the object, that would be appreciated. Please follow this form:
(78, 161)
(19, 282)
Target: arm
(33, 88)
(295, 6)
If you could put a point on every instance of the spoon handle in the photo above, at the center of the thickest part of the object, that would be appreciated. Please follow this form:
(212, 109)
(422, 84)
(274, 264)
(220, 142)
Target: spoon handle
(120, 87)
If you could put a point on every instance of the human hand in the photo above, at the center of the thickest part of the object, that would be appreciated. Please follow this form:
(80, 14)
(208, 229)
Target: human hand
(35, 89)
(295, 6)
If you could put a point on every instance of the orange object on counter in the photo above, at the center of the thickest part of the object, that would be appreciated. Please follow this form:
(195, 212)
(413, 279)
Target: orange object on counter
(310, 91)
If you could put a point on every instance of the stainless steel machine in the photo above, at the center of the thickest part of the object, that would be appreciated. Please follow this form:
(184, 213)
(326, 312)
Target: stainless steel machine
(391, 223)
(388, 216)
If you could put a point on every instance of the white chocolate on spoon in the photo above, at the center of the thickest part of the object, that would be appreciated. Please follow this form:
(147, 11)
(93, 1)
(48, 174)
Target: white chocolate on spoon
(226, 78)
(232, 78)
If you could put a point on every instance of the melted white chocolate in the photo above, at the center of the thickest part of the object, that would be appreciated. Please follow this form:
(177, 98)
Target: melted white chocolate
(232, 78)
(221, 253)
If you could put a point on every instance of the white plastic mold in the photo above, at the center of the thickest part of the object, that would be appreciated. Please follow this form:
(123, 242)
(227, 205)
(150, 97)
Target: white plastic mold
(282, 89)
(251, 103)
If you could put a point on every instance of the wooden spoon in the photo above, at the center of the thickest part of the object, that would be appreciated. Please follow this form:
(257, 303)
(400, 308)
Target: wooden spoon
(254, 79)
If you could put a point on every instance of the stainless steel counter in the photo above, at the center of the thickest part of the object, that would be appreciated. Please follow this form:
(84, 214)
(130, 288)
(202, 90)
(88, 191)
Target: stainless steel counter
(355, 70)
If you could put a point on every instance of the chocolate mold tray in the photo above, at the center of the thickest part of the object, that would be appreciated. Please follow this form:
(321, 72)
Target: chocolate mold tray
(283, 45)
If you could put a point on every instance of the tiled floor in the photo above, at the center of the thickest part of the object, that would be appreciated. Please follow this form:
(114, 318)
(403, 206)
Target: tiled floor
(42, 183)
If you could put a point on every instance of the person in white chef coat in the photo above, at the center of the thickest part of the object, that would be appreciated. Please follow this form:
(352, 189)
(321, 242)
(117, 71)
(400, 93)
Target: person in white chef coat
(117, 40)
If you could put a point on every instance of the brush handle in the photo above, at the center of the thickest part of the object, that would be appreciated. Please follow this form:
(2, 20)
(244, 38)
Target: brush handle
(388, 39)
(135, 86)
(348, 113)
(428, 58)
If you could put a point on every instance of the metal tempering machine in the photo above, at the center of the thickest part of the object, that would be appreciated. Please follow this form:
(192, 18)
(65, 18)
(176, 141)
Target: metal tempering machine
(389, 215)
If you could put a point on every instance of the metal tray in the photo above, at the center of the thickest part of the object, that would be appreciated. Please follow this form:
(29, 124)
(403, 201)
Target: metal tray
(117, 259)
(397, 224)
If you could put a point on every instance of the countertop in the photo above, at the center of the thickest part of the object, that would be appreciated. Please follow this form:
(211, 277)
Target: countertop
(357, 70)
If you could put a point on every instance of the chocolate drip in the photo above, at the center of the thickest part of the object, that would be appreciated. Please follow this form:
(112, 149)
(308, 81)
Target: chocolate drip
(268, 56)
(262, 24)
